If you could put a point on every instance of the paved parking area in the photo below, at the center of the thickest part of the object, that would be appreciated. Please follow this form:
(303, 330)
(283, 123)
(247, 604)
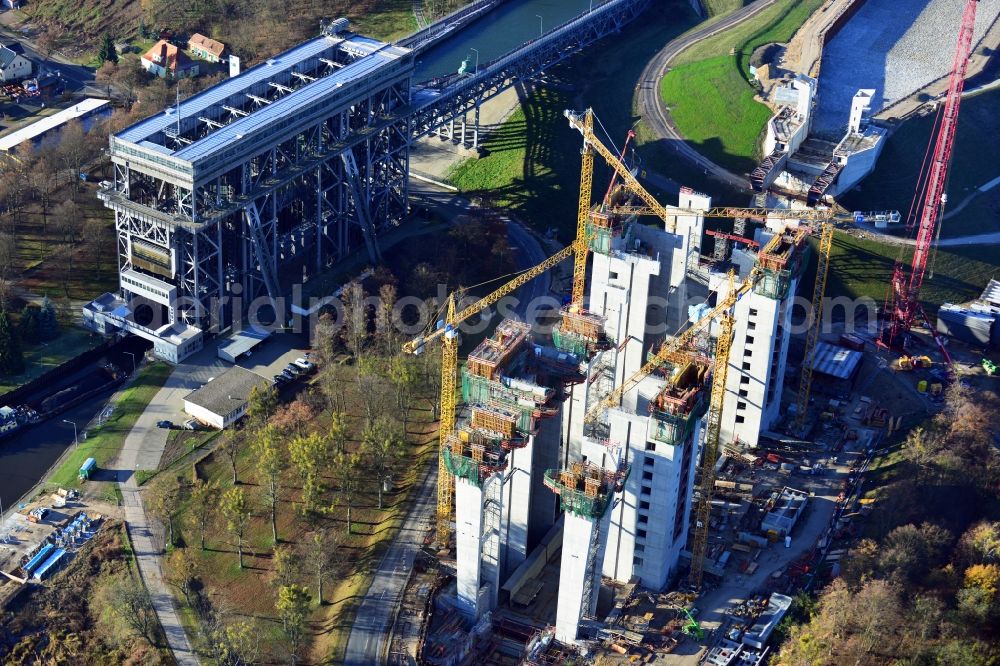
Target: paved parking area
(148, 441)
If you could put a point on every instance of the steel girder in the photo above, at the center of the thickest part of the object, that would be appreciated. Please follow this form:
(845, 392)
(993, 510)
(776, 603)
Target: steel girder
(457, 96)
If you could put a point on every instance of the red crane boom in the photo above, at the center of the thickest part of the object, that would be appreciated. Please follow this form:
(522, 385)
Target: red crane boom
(905, 291)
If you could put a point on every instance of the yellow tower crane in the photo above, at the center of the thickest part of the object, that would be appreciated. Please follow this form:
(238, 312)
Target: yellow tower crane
(710, 451)
(822, 221)
(448, 333)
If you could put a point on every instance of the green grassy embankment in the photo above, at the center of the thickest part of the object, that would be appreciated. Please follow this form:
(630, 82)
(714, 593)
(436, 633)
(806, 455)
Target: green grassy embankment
(709, 96)
(533, 161)
(974, 163)
(861, 268)
(105, 442)
(720, 7)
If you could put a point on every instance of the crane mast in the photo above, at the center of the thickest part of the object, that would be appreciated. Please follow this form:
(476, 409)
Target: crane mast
(905, 290)
(448, 332)
(710, 451)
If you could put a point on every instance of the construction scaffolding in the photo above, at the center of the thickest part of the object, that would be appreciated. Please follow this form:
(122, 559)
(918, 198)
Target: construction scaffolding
(493, 353)
(780, 263)
(474, 456)
(585, 488)
(579, 332)
(679, 405)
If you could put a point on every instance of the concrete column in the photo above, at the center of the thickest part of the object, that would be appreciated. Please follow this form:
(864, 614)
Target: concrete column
(475, 130)
(577, 536)
(517, 499)
(477, 537)
(468, 532)
(545, 455)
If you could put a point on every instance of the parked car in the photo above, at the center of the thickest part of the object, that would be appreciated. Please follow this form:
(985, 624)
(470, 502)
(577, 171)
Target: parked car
(165, 424)
(192, 424)
(305, 365)
(279, 380)
(289, 376)
(294, 369)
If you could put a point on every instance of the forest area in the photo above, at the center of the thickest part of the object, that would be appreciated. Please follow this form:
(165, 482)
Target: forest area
(922, 583)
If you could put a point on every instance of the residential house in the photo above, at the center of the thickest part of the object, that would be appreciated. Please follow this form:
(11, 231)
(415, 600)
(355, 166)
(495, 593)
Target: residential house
(13, 65)
(205, 48)
(169, 62)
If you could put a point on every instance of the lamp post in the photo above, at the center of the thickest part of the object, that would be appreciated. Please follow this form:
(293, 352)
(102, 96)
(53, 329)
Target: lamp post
(540, 30)
(76, 442)
(133, 361)
(477, 58)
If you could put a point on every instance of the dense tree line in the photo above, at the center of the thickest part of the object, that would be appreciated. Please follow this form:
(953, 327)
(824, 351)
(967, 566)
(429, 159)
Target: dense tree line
(922, 585)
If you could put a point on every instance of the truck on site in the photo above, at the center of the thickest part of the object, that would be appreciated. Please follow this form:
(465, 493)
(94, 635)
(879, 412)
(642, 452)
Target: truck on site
(87, 469)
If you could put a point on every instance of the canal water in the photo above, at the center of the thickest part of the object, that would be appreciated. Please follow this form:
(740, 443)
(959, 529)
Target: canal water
(502, 30)
(26, 455)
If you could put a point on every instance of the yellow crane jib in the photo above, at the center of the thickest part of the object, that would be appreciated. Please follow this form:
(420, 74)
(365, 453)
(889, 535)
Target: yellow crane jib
(584, 123)
(448, 332)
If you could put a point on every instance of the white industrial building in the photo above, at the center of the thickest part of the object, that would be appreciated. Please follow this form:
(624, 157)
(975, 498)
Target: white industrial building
(759, 352)
(642, 459)
(224, 399)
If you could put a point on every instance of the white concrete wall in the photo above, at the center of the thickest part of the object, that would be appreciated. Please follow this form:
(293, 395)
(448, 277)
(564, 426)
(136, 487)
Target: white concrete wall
(577, 534)
(517, 499)
(544, 503)
(642, 538)
(689, 229)
(468, 531)
(757, 362)
(858, 165)
(203, 415)
(19, 68)
(619, 291)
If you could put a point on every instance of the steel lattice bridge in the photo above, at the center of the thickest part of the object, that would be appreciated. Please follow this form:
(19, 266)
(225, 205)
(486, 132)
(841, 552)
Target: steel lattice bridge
(274, 175)
(441, 102)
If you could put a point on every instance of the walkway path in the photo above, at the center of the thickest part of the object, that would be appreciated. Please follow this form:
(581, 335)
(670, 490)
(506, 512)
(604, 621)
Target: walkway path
(653, 109)
(142, 450)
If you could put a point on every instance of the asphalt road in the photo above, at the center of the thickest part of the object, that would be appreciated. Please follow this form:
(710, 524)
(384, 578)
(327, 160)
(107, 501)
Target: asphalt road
(79, 79)
(654, 110)
(367, 643)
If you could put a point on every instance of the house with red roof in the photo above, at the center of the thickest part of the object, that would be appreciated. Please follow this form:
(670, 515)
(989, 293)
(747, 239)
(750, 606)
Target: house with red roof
(168, 62)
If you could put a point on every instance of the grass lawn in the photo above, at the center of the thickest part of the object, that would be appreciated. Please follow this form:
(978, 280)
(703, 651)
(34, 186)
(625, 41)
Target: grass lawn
(528, 165)
(533, 165)
(708, 94)
(105, 442)
(718, 7)
(974, 163)
(44, 357)
(388, 20)
(715, 109)
(250, 590)
(862, 268)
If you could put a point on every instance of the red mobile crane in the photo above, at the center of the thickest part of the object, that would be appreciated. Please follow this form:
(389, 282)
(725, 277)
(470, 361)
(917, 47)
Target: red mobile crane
(905, 291)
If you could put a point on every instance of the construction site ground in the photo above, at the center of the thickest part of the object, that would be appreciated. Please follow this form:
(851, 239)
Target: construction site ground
(19, 537)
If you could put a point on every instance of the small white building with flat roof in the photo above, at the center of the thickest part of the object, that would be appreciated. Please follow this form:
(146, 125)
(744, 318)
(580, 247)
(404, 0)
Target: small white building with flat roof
(223, 400)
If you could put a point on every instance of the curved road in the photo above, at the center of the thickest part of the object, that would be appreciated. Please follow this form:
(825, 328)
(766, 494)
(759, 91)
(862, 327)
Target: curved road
(653, 109)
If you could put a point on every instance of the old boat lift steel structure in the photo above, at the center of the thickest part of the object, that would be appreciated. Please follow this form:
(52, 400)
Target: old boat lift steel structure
(277, 173)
